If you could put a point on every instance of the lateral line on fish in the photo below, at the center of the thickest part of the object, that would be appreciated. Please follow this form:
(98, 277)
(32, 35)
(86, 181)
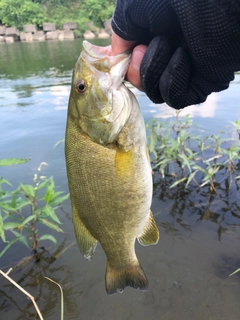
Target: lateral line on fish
(92, 199)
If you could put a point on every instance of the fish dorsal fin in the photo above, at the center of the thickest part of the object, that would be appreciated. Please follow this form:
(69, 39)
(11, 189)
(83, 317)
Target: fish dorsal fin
(150, 233)
(86, 242)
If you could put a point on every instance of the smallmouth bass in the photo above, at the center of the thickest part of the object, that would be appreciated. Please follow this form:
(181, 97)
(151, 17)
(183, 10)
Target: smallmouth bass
(108, 167)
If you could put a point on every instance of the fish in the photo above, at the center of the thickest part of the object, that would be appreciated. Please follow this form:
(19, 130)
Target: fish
(108, 167)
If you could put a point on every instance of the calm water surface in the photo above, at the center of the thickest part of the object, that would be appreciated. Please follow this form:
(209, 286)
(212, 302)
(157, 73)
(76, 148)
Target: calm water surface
(187, 271)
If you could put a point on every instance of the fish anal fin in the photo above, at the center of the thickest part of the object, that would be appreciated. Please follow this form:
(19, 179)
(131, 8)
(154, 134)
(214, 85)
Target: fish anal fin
(130, 276)
(150, 233)
(86, 242)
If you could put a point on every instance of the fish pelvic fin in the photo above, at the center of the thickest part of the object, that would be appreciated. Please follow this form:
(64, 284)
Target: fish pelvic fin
(129, 276)
(150, 233)
(86, 242)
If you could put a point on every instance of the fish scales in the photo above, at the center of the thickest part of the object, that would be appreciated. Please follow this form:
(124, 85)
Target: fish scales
(108, 167)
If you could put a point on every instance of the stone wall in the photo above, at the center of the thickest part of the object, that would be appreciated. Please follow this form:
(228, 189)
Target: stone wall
(49, 32)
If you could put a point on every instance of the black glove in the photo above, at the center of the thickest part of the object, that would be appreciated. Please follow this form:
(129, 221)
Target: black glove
(193, 46)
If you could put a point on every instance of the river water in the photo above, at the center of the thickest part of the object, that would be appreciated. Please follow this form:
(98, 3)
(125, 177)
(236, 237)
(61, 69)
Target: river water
(188, 270)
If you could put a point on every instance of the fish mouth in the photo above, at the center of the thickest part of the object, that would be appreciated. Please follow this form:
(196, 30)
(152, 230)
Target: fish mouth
(94, 51)
(116, 66)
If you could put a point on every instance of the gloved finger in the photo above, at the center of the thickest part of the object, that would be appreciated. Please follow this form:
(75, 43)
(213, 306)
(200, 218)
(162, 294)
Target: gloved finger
(153, 65)
(180, 85)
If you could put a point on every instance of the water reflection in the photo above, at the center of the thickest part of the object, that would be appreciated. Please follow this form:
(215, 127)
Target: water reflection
(21, 60)
(226, 264)
(187, 207)
(30, 274)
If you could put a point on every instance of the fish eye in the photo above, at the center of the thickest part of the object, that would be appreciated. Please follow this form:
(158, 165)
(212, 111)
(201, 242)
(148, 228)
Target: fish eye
(81, 86)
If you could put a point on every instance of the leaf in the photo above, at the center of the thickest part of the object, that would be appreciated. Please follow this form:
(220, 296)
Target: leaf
(43, 184)
(28, 219)
(177, 182)
(48, 237)
(236, 124)
(49, 211)
(58, 200)
(196, 167)
(191, 176)
(28, 190)
(11, 225)
(22, 203)
(204, 183)
(22, 238)
(2, 233)
(6, 206)
(50, 224)
(55, 194)
(50, 190)
(11, 161)
(4, 181)
(14, 199)
(185, 161)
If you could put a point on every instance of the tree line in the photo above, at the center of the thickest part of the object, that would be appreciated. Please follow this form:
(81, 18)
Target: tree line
(19, 12)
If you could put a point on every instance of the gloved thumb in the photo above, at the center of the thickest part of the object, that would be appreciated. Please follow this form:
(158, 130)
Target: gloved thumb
(153, 64)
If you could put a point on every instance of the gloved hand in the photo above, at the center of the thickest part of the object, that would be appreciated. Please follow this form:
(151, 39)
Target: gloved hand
(193, 46)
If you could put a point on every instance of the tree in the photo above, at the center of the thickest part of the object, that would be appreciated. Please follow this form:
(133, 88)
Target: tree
(96, 11)
(19, 12)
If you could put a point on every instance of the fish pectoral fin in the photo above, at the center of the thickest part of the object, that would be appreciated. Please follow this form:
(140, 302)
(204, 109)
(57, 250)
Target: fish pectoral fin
(86, 242)
(150, 233)
(130, 276)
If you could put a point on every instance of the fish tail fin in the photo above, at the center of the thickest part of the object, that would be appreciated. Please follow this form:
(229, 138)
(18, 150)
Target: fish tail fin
(129, 276)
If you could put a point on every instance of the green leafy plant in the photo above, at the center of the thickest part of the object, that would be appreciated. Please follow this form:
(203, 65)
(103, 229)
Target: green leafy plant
(26, 207)
(179, 154)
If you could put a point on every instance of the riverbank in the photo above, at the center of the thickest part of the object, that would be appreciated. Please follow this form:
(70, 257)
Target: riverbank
(69, 31)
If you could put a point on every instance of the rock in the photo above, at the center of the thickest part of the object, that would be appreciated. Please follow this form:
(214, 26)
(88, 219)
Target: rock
(2, 39)
(30, 28)
(66, 35)
(2, 30)
(28, 36)
(52, 35)
(9, 39)
(39, 36)
(103, 34)
(49, 26)
(88, 35)
(108, 26)
(11, 32)
(69, 26)
(22, 36)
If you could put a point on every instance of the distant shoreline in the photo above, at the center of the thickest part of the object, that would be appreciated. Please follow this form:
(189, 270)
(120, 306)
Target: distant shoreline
(49, 32)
